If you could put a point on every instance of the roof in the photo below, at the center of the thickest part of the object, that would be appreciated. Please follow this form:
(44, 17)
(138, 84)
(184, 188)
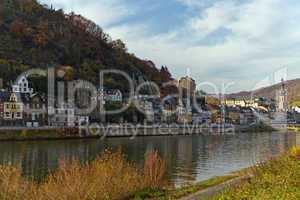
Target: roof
(25, 98)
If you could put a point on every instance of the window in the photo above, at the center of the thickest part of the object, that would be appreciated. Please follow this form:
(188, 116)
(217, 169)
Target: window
(18, 114)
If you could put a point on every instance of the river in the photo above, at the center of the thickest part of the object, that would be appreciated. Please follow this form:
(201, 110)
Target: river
(189, 158)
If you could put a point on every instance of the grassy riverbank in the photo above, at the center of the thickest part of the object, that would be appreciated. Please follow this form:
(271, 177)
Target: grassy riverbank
(112, 177)
(108, 177)
(278, 178)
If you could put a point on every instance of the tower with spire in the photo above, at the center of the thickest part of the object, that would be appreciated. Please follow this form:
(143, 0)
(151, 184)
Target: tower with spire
(282, 98)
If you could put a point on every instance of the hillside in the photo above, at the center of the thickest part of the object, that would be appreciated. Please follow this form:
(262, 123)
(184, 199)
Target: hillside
(36, 36)
(293, 87)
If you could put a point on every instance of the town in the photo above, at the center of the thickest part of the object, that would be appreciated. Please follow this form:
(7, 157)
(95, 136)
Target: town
(149, 100)
(23, 106)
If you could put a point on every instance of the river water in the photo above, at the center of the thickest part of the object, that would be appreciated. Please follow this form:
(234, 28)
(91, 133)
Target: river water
(189, 158)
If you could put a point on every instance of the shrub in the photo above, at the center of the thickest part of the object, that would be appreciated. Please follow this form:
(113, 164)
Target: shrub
(295, 152)
(108, 177)
(154, 170)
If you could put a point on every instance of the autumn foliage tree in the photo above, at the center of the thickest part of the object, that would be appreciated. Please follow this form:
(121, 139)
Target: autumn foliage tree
(18, 28)
(38, 36)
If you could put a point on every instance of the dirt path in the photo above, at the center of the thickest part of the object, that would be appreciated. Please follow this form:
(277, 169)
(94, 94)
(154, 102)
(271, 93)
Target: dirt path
(204, 194)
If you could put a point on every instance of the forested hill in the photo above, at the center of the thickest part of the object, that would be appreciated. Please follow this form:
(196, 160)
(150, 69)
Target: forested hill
(36, 36)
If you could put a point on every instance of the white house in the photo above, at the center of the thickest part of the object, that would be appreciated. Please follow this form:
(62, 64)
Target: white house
(63, 116)
(201, 117)
(22, 86)
(111, 95)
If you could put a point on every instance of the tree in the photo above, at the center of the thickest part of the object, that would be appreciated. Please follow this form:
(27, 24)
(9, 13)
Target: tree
(40, 38)
(166, 75)
(119, 45)
(7, 9)
(18, 28)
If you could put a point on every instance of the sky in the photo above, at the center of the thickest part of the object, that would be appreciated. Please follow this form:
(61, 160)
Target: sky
(231, 44)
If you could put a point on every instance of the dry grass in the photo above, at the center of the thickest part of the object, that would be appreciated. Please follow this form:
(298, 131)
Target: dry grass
(108, 177)
(278, 178)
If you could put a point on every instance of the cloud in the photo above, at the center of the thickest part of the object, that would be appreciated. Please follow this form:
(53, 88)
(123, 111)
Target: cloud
(104, 12)
(220, 41)
(262, 38)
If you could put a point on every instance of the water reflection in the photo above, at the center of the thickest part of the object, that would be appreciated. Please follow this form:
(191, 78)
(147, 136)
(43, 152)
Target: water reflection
(189, 158)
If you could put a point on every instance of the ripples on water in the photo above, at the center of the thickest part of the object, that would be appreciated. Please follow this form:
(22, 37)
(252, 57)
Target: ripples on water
(189, 158)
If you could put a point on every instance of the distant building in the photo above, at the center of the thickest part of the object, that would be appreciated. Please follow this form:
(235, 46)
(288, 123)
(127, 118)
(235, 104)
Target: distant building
(13, 110)
(3, 98)
(151, 107)
(240, 103)
(187, 85)
(111, 95)
(184, 115)
(22, 86)
(282, 98)
(247, 117)
(169, 108)
(149, 111)
(203, 117)
(233, 115)
(35, 111)
(65, 116)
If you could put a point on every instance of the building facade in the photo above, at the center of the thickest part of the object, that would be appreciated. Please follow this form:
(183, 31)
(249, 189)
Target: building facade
(3, 98)
(35, 111)
(62, 116)
(187, 86)
(13, 110)
(22, 86)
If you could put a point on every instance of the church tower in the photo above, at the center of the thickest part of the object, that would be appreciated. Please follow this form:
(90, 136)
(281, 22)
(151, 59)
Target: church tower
(282, 98)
